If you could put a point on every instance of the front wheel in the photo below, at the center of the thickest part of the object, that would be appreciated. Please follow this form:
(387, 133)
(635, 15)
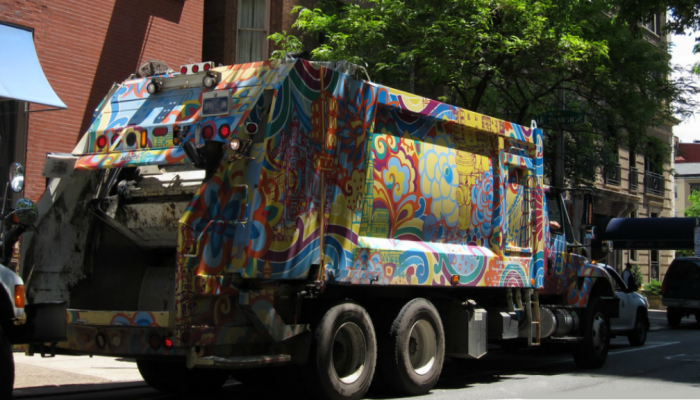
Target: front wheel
(343, 354)
(639, 335)
(593, 350)
(176, 378)
(412, 350)
(674, 316)
(7, 367)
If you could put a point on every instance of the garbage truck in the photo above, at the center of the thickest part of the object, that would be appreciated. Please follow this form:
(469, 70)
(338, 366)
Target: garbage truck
(219, 221)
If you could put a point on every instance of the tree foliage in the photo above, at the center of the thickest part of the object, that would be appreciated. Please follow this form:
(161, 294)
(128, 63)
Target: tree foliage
(693, 209)
(513, 59)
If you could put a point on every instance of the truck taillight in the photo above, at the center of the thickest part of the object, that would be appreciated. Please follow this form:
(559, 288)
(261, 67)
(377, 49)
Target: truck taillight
(188, 69)
(208, 132)
(224, 131)
(102, 141)
(19, 296)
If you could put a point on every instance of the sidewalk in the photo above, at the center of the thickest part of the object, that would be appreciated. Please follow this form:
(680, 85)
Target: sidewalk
(37, 376)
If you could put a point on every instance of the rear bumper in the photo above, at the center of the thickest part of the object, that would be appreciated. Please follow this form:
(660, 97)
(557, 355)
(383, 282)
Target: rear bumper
(681, 303)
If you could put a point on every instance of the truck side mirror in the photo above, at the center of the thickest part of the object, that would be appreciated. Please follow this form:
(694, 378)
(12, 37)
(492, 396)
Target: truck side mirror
(16, 177)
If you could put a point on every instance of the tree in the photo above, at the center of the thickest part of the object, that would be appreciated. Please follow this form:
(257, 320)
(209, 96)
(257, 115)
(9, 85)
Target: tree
(693, 209)
(684, 16)
(513, 59)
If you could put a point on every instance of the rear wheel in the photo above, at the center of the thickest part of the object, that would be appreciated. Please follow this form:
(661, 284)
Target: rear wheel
(343, 354)
(639, 335)
(7, 367)
(175, 377)
(412, 350)
(593, 350)
(674, 316)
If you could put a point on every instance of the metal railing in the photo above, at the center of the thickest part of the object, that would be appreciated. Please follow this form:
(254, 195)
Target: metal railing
(612, 175)
(633, 179)
(654, 183)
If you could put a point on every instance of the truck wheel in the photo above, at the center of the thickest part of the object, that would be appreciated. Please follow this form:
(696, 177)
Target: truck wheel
(639, 333)
(674, 316)
(412, 352)
(176, 378)
(343, 354)
(593, 351)
(7, 367)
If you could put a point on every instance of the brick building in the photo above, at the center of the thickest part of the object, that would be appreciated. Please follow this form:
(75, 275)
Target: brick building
(83, 47)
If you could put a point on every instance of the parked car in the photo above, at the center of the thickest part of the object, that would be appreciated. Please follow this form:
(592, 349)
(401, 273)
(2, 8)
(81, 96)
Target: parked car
(633, 320)
(680, 290)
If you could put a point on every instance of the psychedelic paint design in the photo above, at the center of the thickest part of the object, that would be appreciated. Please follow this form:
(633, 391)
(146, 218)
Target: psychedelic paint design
(354, 182)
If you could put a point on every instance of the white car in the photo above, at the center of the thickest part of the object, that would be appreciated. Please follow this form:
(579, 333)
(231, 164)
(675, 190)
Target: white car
(633, 320)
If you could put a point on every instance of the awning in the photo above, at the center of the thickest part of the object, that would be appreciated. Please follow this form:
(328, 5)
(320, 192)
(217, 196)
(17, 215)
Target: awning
(21, 76)
(647, 233)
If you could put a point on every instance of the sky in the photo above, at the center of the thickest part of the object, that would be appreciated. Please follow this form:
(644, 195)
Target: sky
(682, 53)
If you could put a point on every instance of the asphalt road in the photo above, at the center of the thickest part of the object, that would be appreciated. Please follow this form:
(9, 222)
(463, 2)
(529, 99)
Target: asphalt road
(38, 377)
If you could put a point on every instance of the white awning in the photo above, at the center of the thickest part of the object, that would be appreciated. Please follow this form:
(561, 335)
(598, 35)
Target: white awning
(21, 76)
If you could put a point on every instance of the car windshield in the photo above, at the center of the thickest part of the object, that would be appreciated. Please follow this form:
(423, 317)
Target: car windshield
(619, 283)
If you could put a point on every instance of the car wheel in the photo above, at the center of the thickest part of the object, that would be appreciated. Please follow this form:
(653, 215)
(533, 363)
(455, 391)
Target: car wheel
(593, 350)
(639, 335)
(674, 316)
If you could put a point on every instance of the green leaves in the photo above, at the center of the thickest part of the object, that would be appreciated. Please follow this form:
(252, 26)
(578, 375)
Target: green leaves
(512, 59)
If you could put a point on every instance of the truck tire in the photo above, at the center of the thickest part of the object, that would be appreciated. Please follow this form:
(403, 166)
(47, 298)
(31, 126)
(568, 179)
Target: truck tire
(593, 350)
(343, 354)
(7, 367)
(176, 378)
(638, 336)
(412, 350)
(674, 316)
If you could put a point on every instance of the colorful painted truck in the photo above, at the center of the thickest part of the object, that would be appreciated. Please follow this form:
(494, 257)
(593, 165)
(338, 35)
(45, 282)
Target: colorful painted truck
(225, 219)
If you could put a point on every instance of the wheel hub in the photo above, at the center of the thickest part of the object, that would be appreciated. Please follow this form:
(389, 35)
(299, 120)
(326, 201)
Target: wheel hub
(349, 353)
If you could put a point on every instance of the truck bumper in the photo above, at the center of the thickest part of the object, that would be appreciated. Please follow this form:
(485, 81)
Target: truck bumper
(45, 323)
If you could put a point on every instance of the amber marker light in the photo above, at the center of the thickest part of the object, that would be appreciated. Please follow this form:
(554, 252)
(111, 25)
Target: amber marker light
(454, 279)
(19, 296)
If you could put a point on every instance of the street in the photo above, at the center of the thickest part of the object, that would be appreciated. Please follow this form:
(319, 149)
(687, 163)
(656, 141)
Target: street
(665, 367)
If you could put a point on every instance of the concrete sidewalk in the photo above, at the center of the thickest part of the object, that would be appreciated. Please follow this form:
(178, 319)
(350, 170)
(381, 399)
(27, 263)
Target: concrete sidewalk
(35, 375)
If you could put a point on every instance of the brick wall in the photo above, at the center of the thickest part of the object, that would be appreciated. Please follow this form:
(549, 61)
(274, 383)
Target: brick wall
(85, 46)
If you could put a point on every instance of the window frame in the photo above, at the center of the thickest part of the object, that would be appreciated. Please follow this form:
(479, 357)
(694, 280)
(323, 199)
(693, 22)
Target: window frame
(239, 29)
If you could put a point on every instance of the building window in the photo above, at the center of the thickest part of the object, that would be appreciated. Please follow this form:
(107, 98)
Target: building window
(253, 28)
(654, 24)
(633, 253)
(694, 186)
(654, 259)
